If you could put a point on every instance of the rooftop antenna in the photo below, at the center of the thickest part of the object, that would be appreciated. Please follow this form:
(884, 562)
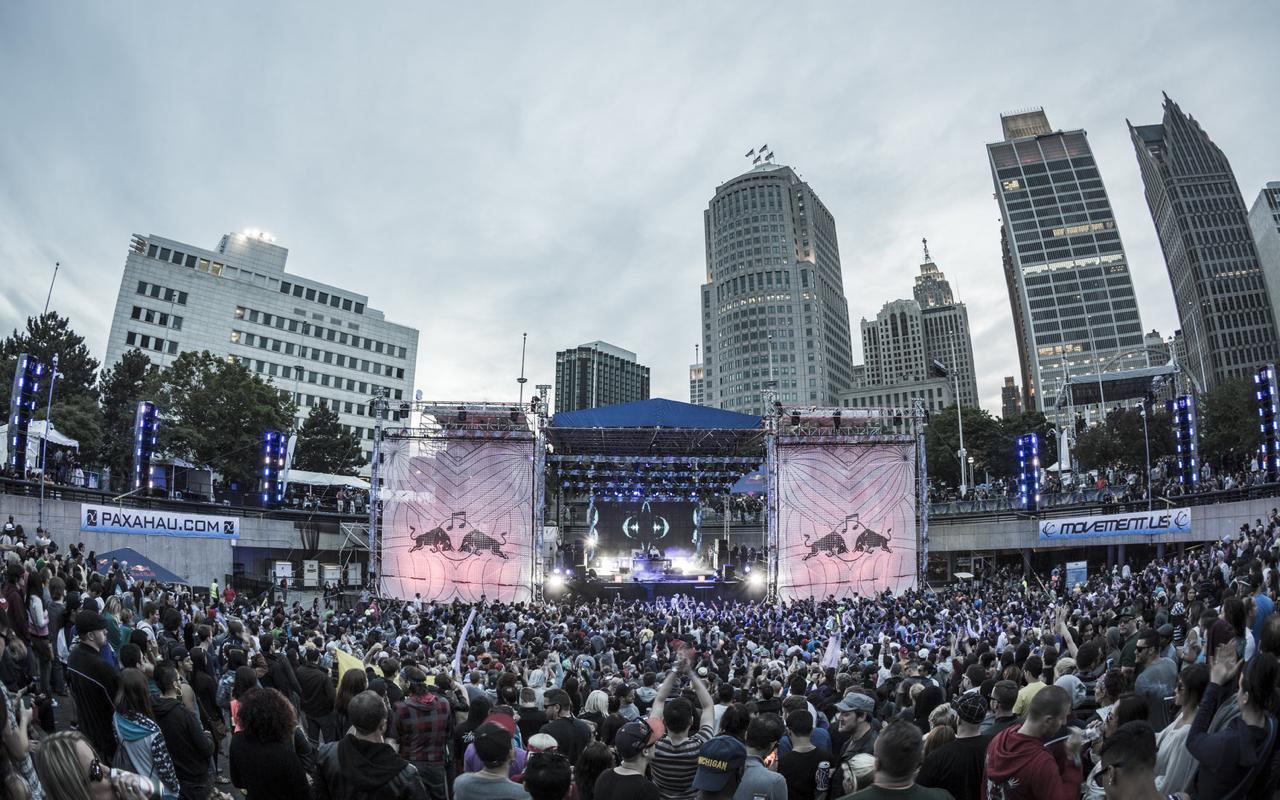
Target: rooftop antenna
(56, 264)
(925, 242)
(522, 380)
(697, 355)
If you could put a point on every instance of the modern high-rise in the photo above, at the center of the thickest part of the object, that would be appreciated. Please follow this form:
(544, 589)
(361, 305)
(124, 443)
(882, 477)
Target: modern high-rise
(773, 305)
(1200, 217)
(897, 369)
(317, 342)
(947, 338)
(1010, 398)
(1074, 308)
(1264, 221)
(598, 374)
(697, 385)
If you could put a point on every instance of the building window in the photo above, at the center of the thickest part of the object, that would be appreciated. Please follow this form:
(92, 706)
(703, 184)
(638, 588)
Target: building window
(131, 338)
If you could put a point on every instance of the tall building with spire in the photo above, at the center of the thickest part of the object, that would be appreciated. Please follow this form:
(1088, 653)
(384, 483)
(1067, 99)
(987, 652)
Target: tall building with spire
(947, 339)
(773, 304)
(1203, 225)
(1070, 288)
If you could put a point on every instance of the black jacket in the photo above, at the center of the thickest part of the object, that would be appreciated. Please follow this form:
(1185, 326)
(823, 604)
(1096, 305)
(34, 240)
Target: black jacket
(189, 746)
(93, 684)
(317, 690)
(280, 676)
(353, 769)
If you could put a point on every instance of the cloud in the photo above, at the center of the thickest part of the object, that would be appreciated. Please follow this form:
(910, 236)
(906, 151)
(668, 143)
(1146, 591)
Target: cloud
(482, 171)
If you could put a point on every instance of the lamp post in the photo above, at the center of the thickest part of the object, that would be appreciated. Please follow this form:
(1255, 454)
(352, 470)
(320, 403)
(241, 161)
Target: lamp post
(44, 444)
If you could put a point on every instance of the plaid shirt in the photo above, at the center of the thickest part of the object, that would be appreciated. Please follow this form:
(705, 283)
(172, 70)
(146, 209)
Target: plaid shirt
(423, 727)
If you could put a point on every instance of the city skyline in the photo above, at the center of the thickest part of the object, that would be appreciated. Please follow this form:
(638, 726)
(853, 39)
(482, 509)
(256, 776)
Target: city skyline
(590, 171)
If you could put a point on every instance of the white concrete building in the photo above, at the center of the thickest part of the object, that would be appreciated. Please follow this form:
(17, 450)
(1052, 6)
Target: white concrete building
(1264, 222)
(320, 343)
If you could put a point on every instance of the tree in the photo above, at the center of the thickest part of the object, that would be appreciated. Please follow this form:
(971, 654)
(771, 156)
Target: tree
(45, 336)
(214, 412)
(1120, 439)
(942, 440)
(324, 445)
(1002, 458)
(133, 378)
(1229, 434)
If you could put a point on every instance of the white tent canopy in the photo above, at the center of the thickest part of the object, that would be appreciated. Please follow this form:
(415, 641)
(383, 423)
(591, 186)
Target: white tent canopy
(36, 433)
(308, 478)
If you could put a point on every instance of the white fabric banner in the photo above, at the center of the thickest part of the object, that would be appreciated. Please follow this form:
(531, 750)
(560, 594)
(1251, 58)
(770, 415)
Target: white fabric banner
(154, 522)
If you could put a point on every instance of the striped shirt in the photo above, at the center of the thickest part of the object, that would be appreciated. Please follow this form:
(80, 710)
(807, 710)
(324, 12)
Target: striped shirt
(674, 765)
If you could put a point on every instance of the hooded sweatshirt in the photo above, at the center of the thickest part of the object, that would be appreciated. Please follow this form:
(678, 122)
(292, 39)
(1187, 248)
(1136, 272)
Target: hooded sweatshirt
(189, 747)
(140, 739)
(1020, 767)
(353, 767)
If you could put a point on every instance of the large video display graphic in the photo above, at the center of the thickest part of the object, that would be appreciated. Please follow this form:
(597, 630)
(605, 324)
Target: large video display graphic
(623, 527)
(846, 519)
(457, 519)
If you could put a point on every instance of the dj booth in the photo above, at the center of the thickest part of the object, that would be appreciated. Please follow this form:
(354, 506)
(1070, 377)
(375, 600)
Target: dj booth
(645, 567)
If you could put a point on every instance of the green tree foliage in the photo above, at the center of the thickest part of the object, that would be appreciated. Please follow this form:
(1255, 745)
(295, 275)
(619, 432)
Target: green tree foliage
(1120, 440)
(75, 410)
(324, 445)
(1229, 434)
(214, 413)
(991, 442)
(121, 387)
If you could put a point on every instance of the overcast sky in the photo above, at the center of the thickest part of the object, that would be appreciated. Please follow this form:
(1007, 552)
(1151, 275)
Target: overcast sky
(484, 169)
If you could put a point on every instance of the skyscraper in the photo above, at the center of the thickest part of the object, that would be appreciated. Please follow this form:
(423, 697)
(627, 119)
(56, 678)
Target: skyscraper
(947, 339)
(598, 374)
(773, 305)
(1010, 398)
(896, 368)
(1264, 221)
(1199, 214)
(1069, 284)
(317, 342)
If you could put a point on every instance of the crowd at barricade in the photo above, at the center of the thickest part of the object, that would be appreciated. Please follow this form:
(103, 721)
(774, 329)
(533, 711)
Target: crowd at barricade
(1149, 681)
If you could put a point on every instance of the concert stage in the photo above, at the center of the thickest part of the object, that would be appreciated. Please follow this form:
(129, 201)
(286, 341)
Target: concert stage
(706, 589)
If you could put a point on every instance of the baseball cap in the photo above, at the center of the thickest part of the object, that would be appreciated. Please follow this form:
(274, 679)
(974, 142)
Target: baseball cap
(719, 758)
(972, 708)
(542, 743)
(633, 738)
(492, 743)
(504, 721)
(89, 621)
(856, 701)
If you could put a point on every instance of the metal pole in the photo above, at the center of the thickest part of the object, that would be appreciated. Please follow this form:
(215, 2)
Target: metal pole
(522, 380)
(1146, 440)
(47, 297)
(375, 561)
(960, 424)
(44, 443)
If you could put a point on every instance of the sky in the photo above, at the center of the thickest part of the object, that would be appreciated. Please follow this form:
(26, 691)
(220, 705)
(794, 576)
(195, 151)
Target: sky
(482, 170)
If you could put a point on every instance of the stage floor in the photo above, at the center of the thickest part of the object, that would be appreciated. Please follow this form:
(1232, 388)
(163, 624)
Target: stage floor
(688, 586)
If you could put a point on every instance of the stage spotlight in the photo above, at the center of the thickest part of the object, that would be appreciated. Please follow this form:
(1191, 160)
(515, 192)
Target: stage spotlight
(755, 580)
(746, 568)
(555, 584)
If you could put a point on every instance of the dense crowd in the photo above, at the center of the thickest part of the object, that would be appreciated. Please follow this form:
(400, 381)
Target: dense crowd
(1146, 682)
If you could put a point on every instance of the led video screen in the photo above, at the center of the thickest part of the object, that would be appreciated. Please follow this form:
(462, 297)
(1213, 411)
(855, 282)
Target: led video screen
(623, 527)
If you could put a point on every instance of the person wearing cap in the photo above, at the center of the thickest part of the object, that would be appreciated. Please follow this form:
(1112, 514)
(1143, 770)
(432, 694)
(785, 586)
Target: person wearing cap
(501, 716)
(957, 765)
(721, 764)
(422, 725)
(362, 764)
(93, 683)
(634, 744)
(493, 746)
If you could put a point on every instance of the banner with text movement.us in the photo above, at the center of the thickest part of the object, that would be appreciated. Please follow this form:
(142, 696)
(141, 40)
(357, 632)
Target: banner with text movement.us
(151, 522)
(457, 519)
(846, 519)
(1141, 523)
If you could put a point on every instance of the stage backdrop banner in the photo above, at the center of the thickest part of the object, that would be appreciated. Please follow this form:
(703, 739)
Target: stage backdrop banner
(457, 519)
(1140, 523)
(846, 519)
(151, 522)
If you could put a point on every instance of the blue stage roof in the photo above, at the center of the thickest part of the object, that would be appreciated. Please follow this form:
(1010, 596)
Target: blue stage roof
(656, 413)
(140, 567)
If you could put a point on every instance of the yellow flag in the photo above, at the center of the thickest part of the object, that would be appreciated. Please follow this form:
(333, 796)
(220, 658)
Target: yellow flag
(346, 661)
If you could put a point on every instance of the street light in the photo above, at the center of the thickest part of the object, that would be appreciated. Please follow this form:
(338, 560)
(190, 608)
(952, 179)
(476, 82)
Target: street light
(44, 444)
(942, 371)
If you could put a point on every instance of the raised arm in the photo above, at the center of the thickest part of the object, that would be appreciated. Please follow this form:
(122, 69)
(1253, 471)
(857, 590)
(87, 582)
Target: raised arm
(704, 701)
(663, 692)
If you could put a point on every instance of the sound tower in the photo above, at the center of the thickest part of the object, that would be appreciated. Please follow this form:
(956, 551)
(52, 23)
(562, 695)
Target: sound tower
(1268, 396)
(275, 447)
(1029, 471)
(1183, 411)
(146, 421)
(28, 376)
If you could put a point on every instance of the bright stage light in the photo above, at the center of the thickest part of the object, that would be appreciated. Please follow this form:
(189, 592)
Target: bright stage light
(555, 582)
(755, 580)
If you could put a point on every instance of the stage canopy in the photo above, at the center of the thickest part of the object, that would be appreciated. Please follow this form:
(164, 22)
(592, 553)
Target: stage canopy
(660, 448)
(141, 568)
(1116, 387)
(309, 478)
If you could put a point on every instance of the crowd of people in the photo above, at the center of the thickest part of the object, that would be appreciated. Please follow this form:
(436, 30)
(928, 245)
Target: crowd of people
(1153, 681)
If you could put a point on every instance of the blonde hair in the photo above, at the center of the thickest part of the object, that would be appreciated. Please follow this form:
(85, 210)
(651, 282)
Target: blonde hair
(597, 701)
(58, 766)
(942, 717)
(113, 606)
(938, 737)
